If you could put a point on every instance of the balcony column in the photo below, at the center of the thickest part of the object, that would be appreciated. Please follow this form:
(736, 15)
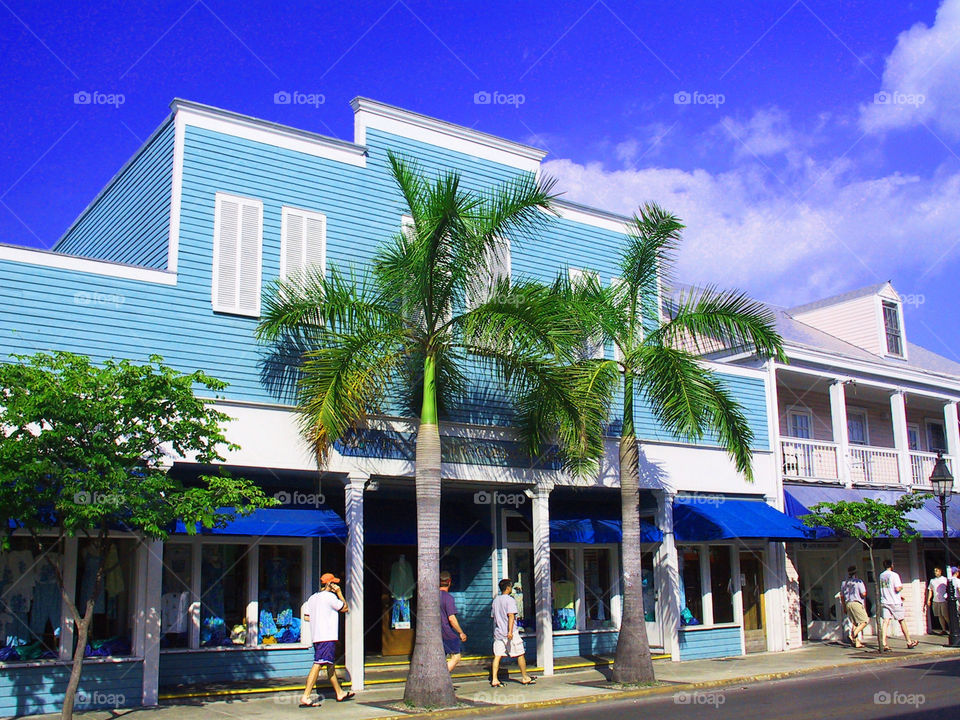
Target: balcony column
(898, 416)
(354, 487)
(543, 588)
(838, 418)
(951, 428)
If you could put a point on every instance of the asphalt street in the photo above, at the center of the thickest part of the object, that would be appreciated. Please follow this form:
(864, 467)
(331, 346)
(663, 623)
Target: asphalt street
(929, 689)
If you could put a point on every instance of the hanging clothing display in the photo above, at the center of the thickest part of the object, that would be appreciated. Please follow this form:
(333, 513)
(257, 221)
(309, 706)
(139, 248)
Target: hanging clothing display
(402, 585)
(174, 612)
(17, 578)
(113, 583)
(46, 597)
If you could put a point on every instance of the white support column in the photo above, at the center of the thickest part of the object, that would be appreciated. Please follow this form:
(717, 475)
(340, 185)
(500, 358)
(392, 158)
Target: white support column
(898, 416)
(253, 595)
(667, 578)
(838, 417)
(153, 557)
(196, 590)
(353, 580)
(543, 589)
(774, 581)
(69, 570)
(737, 588)
(951, 429)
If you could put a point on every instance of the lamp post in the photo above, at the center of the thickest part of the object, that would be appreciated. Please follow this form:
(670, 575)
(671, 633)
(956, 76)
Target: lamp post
(942, 481)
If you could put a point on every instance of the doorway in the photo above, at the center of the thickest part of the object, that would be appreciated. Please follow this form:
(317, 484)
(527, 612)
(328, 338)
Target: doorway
(819, 582)
(751, 592)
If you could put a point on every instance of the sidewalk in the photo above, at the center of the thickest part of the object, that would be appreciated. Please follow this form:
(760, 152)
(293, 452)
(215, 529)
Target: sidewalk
(571, 687)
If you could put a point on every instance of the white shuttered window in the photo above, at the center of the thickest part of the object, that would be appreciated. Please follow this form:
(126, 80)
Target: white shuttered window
(237, 244)
(303, 243)
(594, 346)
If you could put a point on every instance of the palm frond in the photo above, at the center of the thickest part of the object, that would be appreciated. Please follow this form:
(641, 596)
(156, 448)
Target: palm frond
(650, 254)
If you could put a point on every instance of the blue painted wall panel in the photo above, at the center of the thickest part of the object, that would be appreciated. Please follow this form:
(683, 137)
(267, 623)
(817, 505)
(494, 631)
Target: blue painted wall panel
(40, 689)
(584, 644)
(130, 221)
(213, 666)
(709, 643)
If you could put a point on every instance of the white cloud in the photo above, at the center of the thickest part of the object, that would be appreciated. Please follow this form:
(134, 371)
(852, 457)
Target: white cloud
(825, 232)
(920, 78)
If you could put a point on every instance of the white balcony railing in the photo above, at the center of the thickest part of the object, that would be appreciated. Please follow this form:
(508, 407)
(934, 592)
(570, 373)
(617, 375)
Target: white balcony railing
(809, 459)
(921, 465)
(874, 465)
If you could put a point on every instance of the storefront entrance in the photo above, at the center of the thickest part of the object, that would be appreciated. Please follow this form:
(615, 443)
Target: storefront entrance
(751, 592)
(819, 584)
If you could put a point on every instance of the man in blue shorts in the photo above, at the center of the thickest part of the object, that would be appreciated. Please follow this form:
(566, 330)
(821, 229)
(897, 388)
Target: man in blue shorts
(450, 629)
(323, 610)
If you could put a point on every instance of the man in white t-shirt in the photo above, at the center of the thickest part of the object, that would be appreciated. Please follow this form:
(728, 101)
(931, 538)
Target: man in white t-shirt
(322, 610)
(506, 635)
(937, 600)
(892, 604)
(852, 594)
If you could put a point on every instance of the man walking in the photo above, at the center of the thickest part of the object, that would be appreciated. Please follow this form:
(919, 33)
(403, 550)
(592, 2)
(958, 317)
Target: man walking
(323, 610)
(506, 638)
(852, 594)
(892, 605)
(450, 630)
(937, 601)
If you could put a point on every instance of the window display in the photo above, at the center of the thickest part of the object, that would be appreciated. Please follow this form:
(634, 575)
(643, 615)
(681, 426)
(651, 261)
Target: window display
(691, 600)
(175, 595)
(111, 633)
(520, 570)
(563, 574)
(598, 589)
(649, 588)
(30, 608)
(721, 583)
(223, 600)
(281, 590)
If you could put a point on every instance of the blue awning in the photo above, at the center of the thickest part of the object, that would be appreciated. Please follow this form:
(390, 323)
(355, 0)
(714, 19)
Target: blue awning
(702, 518)
(595, 531)
(281, 522)
(799, 499)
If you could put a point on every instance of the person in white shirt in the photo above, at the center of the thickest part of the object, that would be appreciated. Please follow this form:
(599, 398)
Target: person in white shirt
(506, 638)
(323, 610)
(852, 593)
(892, 604)
(937, 600)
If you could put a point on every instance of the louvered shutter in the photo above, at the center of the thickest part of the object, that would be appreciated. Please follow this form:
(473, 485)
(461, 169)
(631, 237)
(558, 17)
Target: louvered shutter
(594, 346)
(238, 235)
(303, 243)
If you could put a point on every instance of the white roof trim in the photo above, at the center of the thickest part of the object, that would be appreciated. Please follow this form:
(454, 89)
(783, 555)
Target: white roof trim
(380, 116)
(48, 258)
(264, 131)
(592, 216)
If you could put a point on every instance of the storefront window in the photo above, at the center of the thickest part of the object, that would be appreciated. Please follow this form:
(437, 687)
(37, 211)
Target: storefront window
(281, 590)
(223, 599)
(112, 630)
(563, 574)
(29, 602)
(520, 570)
(175, 595)
(721, 583)
(692, 600)
(649, 588)
(518, 529)
(597, 588)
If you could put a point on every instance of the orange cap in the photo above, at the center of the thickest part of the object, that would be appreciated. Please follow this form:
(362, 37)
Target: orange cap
(328, 578)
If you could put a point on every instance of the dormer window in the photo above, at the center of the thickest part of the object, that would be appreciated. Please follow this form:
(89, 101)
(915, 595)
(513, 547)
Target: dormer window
(891, 326)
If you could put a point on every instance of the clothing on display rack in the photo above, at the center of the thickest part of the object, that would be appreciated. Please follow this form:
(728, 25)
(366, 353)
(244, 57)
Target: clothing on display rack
(17, 578)
(402, 586)
(174, 612)
(46, 597)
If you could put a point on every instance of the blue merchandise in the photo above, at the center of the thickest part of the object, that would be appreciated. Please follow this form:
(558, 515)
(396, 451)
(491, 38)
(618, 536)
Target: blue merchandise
(268, 628)
(285, 618)
(401, 612)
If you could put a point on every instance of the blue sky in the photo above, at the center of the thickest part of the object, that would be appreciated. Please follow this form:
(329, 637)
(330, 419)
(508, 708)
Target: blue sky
(811, 147)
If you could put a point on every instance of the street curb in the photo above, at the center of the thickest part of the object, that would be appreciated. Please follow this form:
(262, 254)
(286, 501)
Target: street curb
(659, 690)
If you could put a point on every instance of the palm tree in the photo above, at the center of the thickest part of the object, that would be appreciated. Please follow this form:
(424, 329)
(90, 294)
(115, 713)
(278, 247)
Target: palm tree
(657, 358)
(417, 325)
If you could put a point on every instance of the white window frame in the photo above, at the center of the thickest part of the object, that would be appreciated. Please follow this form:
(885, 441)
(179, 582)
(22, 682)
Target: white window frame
(927, 423)
(851, 411)
(482, 291)
(579, 275)
(285, 212)
(235, 309)
(883, 328)
(799, 410)
(913, 427)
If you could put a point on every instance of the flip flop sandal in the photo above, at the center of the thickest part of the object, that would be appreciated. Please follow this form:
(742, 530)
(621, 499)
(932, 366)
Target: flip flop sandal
(531, 681)
(314, 704)
(496, 684)
(913, 644)
(348, 696)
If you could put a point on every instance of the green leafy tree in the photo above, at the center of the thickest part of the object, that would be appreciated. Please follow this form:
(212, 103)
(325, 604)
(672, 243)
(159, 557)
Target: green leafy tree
(658, 361)
(869, 521)
(85, 449)
(414, 326)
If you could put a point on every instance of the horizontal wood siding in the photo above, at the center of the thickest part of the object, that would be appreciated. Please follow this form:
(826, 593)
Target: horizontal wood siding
(472, 591)
(710, 643)
(856, 321)
(584, 644)
(39, 690)
(815, 402)
(130, 222)
(213, 666)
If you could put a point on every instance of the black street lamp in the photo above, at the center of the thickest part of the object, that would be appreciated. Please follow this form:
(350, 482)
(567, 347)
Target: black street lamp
(942, 481)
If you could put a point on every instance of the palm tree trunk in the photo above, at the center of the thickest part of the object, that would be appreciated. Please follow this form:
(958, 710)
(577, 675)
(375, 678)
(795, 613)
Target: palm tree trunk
(428, 682)
(633, 663)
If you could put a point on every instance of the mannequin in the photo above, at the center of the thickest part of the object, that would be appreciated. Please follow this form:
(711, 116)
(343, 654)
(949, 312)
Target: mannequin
(564, 603)
(402, 585)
